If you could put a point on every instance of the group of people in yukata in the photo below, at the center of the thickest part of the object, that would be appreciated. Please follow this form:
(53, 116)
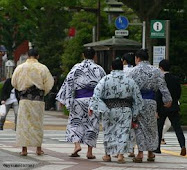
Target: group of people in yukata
(123, 100)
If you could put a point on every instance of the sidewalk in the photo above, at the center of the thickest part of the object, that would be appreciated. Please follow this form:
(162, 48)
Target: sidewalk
(57, 151)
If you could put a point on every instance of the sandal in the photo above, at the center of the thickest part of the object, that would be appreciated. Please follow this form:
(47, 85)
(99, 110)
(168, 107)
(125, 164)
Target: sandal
(106, 158)
(40, 153)
(131, 155)
(91, 157)
(23, 154)
(75, 154)
(121, 160)
(137, 160)
(151, 159)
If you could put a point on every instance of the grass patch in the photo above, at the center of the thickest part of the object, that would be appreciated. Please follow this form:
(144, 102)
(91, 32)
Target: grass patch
(183, 105)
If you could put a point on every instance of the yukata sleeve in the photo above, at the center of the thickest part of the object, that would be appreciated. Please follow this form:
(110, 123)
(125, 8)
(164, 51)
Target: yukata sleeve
(66, 92)
(48, 81)
(166, 96)
(137, 101)
(96, 103)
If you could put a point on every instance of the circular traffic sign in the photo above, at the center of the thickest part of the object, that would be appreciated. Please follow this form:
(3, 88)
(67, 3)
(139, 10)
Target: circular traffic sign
(121, 22)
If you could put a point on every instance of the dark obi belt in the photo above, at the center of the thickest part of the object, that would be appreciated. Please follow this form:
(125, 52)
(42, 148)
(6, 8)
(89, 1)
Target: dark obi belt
(86, 92)
(117, 102)
(32, 93)
(148, 94)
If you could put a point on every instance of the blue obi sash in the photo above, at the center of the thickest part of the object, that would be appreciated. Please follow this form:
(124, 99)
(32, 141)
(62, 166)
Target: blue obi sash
(81, 93)
(148, 94)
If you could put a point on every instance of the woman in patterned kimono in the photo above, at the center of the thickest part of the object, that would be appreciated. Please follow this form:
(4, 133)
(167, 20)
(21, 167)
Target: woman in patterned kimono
(33, 80)
(75, 94)
(119, 100)
(149, 79)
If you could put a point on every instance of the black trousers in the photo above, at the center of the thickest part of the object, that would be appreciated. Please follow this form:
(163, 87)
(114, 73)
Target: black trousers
(174, 117)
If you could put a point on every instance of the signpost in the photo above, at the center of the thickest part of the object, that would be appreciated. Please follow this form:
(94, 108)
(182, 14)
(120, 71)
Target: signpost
(121, 33)
(158, 29)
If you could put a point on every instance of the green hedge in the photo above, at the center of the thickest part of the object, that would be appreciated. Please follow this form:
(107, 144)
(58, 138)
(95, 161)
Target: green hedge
(183, 105)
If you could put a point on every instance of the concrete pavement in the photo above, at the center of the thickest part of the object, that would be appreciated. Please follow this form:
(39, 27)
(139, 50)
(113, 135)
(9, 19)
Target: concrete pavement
(57, 151)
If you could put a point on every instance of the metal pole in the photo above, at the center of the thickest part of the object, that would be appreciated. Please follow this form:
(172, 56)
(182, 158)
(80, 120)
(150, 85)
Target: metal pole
(98, 20)
(167, 38)
(143, 34)
(93, 34)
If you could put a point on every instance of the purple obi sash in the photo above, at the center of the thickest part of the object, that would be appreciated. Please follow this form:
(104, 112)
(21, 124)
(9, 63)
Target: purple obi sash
(148, 94)
(86, 92)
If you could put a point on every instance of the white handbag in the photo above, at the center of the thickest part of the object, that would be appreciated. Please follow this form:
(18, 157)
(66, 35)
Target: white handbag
(2, 110)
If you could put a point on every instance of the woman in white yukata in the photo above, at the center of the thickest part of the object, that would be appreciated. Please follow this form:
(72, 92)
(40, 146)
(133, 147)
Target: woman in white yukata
(119, 100)
(149, 79)
(75, 94)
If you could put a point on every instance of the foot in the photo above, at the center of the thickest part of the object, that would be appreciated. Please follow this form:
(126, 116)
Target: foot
(106, 158)
(1, 127)
(121, 158)
(151, 157)
(75, 153)
(157, 151)
(91, 157)
(183, 151)
(137, 160)
(39, 153)
(163, 142)
(131, 155)
(23, 153)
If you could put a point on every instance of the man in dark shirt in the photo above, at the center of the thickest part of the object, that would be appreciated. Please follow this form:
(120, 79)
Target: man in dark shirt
(172, 113)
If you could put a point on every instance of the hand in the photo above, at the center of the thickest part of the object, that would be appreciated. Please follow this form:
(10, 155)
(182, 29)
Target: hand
(2, 102)
(90, 112)
(61, 105)
(168, 104)
(157, 115)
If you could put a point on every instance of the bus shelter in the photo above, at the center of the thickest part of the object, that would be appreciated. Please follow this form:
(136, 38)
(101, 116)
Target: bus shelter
(108, 50)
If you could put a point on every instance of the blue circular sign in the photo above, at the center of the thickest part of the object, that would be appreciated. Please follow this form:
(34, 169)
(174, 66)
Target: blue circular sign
(121, 22)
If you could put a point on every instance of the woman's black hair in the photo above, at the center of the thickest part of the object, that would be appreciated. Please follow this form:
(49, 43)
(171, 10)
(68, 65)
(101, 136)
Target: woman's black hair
(89, 53)
(142, 54)
(117, 64)
(129, 58)
(33, 52)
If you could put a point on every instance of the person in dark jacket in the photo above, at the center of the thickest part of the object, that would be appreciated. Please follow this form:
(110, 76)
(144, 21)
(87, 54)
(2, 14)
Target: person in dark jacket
(9, 97)
(172, 112)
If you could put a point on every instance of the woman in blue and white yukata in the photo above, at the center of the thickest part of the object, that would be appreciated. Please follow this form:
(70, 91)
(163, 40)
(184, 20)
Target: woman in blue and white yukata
(119, 100)
(75, 94)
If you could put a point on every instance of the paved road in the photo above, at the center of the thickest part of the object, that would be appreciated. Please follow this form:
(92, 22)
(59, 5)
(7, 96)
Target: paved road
(57, 151)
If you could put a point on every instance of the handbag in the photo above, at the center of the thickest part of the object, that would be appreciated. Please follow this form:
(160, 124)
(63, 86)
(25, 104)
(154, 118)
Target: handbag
(2, 110)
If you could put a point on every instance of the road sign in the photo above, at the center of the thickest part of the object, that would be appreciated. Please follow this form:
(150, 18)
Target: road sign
(159, 53)
(121, 33)
(157, 28)
(121, 22)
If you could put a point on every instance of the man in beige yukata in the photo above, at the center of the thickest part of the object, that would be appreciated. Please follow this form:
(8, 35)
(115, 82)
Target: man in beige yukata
(33, 81)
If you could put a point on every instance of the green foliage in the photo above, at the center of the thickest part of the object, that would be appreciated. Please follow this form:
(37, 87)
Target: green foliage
(1, 87)
(183, 106)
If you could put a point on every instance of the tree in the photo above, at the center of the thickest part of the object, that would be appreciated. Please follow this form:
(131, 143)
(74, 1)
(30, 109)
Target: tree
(41, 22)
(147, 10)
